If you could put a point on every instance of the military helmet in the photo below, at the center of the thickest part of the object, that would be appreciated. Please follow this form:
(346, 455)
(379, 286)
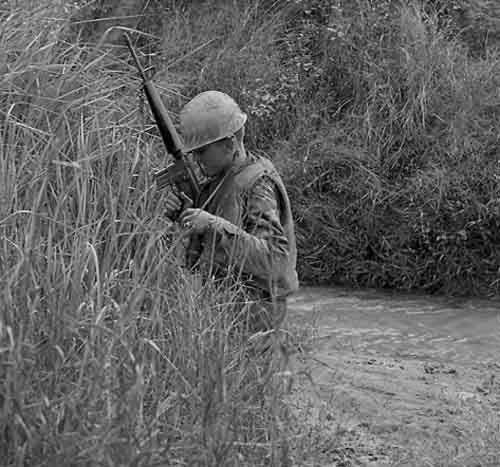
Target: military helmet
(210, 117)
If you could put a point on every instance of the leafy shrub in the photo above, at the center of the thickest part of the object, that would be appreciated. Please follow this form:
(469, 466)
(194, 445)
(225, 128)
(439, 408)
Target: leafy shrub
(401, 178)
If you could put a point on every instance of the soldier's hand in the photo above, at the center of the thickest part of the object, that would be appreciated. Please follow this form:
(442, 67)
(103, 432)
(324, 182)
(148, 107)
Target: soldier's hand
(173, 204)
(197, 220)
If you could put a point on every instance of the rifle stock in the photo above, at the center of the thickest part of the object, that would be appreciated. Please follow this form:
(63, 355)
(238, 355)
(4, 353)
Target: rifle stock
(180, 173)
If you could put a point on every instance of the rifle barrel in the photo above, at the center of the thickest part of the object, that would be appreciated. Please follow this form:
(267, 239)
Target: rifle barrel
(180, 172)
(135, 57)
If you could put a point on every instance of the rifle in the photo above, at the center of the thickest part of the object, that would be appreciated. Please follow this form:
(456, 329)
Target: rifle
(180, 173)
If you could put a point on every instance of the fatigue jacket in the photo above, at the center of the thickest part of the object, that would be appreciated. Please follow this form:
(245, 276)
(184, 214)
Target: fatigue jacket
(255, 239)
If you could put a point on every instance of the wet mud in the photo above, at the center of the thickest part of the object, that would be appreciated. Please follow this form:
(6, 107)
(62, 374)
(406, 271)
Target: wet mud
(394, 380)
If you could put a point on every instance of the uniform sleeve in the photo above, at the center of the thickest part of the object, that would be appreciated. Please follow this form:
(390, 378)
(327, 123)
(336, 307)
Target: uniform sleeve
(260, 247)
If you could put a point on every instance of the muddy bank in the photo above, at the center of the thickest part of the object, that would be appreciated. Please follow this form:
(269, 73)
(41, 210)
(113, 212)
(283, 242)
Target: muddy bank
(395, 380)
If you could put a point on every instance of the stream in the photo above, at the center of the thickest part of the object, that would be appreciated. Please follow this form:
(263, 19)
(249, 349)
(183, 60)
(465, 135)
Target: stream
(402, 325)
(391, 379)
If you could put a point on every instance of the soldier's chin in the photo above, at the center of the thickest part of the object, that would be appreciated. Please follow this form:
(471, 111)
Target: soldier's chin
(210, 172)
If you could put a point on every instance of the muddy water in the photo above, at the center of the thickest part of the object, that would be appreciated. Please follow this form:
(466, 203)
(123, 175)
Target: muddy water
(395, 380)
(402, 325)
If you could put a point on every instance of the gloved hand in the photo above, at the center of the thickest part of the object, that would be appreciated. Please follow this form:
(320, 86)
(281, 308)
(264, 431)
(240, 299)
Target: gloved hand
(197, 220)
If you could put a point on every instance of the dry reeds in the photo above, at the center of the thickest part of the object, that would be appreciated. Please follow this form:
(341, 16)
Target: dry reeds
(111, 354)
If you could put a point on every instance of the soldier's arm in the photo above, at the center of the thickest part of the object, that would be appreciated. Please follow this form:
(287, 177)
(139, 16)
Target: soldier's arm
(259, 247)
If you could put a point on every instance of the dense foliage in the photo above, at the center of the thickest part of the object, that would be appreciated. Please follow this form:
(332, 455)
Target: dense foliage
(401, 167)
(382, 115)
(110, 354)
(383, 118)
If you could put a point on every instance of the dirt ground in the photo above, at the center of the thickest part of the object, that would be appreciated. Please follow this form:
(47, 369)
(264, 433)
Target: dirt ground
(384, 380)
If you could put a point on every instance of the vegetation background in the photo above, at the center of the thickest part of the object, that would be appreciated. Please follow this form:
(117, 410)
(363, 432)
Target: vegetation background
(383, 118)
(381, 114)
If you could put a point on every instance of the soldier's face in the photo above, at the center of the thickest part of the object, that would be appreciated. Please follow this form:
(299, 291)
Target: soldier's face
(214, 158)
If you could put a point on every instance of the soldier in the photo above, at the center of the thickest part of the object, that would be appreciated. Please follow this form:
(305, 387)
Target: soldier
(241, 226)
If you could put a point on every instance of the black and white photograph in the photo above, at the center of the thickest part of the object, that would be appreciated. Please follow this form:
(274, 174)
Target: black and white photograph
(241, 233)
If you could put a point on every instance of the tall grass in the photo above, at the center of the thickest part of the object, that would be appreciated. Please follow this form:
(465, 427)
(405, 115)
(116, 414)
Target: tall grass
(111, 354)
(384, 127)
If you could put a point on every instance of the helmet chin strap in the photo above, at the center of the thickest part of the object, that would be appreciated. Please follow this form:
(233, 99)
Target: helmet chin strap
(239, 152)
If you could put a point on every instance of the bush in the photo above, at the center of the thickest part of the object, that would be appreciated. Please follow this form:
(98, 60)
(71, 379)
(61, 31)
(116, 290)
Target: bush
(400, 181)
